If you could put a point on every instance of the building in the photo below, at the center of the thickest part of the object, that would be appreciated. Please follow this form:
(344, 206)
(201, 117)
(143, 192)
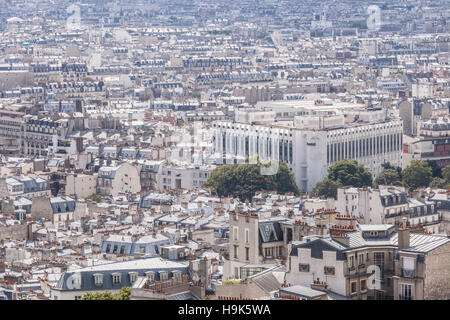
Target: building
(359, 264)
(73, 285)
(113, 180)
(310, 144)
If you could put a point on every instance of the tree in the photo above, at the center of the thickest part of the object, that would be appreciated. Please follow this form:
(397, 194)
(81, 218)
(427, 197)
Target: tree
(104, 295)
(446, 173)
(436, 171)
(387, 165)
(388, 177)
(124, 294)
(350, 173)
(326, 188)
(417, 174)
(438, 183)
(244, 180)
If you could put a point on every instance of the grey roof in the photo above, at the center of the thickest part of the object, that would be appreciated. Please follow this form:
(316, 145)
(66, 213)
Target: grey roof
(302, 291)
(183, 296)
(318, 245)
(140, 266)
(266, 280)
(270, 231)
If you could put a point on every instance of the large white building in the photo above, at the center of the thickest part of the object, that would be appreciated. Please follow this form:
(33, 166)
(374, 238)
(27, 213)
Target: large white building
(310, 143)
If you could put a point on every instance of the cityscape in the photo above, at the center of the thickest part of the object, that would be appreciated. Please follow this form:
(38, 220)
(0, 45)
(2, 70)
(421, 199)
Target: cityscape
(226, 151)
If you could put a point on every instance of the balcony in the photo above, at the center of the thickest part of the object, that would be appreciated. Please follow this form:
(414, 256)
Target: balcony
(408, 273)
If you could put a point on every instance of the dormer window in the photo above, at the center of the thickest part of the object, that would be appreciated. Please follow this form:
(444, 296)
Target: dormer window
(176, 274)
(163, 275)
(116, 277)
(150, 275)
(133, 276)
(98, 279)
(374, 233)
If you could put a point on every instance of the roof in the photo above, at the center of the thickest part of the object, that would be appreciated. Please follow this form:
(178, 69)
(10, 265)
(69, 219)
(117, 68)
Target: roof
(302, 291)
(319, 244)
(140, 266)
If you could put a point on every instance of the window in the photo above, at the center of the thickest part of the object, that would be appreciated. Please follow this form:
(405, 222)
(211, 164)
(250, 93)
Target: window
(247, 255)
(116, 278)
(379, 261)
(247, 238)
(98, 279)
(150, 275)
(176, 274)
(303, 267)
(115, 249)
(235, 233)
(361, 259)
(133, 276)
(163, 275)
(363, 285)
(329, 270)
(236, 252)
(353, 287)
(351, 262)
(406, 291)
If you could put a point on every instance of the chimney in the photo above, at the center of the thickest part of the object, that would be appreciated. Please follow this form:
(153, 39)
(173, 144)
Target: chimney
(403, 235)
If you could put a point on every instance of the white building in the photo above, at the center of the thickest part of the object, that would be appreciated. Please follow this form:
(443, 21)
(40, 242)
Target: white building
(310, 144)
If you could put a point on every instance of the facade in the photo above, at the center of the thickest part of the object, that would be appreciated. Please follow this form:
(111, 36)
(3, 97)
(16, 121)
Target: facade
(29, 186)
(344, 262)
(146, 245)
(173, 177)
(112, 277)
(39, 133)
(119, 179)
(312, 144)
(81, 185)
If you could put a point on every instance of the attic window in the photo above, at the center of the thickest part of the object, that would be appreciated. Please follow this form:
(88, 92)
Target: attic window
(163, 275)
(133, 276)
(116, 277)
(98, 279)
(150, 275)
(374, 233)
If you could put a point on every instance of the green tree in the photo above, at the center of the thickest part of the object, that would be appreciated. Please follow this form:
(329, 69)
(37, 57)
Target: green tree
(438, 183)
(124, 294)
(446, 173)
(388, 177)
(95, 197)
(326, 188)
(244, 180)
(436, 171)
(350, 173)
(417, 174)
(104, 295)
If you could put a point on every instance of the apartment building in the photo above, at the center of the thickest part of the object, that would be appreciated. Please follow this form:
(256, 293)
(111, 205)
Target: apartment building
(363, 263)
(310, 144)
(10, 131)
(113, 180)
(182, 176)
(39, 133)
(73, 285)
(29, 186)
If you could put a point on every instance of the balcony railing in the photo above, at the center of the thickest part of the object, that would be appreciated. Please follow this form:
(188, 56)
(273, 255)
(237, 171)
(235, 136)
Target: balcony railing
(402, 297)
(408, 273)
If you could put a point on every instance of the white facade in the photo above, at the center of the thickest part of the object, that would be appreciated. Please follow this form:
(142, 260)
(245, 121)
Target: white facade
(309, 152)
(316, 270)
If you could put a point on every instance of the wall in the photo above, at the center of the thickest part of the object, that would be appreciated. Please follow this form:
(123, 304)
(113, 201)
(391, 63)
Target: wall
(437, 271)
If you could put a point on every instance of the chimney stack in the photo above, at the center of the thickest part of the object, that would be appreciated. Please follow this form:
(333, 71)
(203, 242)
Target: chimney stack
(403, 235)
